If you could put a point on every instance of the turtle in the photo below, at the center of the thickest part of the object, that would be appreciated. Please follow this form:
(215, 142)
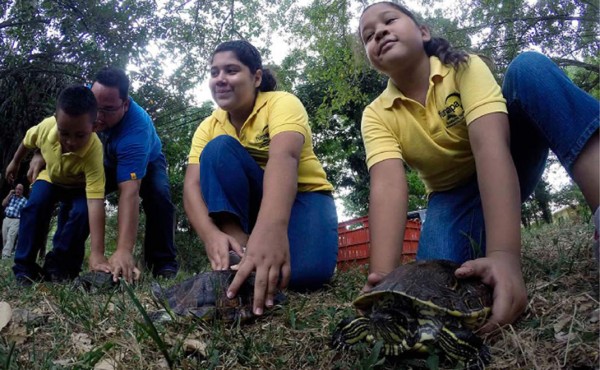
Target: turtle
(421, 307)
(95, 282)
(204, 296)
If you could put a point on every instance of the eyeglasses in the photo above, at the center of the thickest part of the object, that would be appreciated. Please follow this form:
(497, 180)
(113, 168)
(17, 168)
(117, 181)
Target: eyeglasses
(111, 110)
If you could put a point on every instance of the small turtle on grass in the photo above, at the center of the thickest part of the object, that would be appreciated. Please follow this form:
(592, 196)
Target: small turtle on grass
(422, 307)
(95, 282)
(204, 296)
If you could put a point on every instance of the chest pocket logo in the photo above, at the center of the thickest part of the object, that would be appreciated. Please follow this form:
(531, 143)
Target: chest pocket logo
(263, 140)
(453, 112)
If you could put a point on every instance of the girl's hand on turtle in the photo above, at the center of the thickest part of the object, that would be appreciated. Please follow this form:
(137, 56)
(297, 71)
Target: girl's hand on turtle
(217, 248)
(501, 271)
(268, 254)
(372, 280)
(123, 264)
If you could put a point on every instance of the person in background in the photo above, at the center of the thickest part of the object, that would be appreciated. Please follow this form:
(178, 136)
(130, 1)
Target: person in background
(254, 184)
(74, 177)
(13, 203)
(136, 167)
(479, 150)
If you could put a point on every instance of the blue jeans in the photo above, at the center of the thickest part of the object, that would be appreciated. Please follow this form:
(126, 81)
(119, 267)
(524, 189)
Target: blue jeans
(66, 257)
(232, 182)
(159, 246)
(546, 111)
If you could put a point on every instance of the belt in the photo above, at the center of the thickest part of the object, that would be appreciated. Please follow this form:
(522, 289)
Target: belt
(12, 217)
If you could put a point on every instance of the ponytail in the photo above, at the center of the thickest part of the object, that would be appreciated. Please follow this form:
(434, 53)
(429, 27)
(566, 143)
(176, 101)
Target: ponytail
(268, 83)
(441, 48)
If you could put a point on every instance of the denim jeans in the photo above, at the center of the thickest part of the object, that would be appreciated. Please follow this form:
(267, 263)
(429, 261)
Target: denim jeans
(159, 246)
(546, 111)
(66, 257)
(232, 182)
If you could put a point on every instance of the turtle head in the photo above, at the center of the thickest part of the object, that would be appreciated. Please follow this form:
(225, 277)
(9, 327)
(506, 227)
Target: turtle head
(350, 331)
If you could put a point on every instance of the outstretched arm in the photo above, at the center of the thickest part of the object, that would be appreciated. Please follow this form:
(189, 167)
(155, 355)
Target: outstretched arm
(268, 251)
(98, 261)
(13, 167)
(128, 219)
(387, 218)
(501, 202)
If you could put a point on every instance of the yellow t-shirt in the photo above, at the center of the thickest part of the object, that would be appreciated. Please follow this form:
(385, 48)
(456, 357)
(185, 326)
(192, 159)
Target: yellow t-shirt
(83, 168)
(274, 112)
(433, 140)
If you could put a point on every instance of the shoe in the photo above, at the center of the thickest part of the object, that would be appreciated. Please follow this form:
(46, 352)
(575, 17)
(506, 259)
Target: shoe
(24, 281)
(166, 274)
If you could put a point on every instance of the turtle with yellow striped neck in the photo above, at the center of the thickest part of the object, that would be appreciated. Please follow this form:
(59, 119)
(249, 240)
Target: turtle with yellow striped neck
(421, 307)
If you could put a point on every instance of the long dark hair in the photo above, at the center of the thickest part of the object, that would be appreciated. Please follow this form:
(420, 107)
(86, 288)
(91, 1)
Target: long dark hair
(438, 46)
(250, 57)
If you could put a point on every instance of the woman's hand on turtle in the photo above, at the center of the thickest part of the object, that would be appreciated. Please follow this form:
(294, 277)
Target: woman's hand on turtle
(268, 254)
(217, 247)
(123, 264)
(501, 271)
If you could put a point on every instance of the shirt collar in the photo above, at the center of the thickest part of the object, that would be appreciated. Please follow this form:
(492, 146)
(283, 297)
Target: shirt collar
(222, 116)
(437, 72)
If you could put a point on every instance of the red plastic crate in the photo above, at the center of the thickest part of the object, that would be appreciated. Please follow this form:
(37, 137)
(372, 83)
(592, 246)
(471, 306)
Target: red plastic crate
(354, 242)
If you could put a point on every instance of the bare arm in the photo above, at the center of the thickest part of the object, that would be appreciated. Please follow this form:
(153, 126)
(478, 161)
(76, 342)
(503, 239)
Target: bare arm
(128, 220)
(98, 261)
(387, 217)
(216, 242)
(268, 247)
(13, 167)
(501, 202)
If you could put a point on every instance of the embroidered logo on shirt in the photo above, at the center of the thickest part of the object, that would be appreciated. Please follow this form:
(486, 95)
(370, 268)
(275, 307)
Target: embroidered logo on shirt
(133, 176)
(263, 140)
(453, 112)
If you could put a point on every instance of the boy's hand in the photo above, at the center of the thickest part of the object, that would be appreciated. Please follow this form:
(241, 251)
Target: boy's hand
(98, 262)
(501, 271)
(36, 165)
(12, 170)
(123, 264)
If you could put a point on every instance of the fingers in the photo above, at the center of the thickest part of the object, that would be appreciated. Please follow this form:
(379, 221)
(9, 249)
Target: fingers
(116, 273)
(136, 274)
(244, 271)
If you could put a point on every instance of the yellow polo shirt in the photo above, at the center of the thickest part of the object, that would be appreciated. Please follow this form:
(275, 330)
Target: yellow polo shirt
(274, 112)
(433, 140)
(81, 169)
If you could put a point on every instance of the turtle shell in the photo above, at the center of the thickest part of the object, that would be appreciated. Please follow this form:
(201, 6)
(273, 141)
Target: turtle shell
(432, 284)
(204, 296)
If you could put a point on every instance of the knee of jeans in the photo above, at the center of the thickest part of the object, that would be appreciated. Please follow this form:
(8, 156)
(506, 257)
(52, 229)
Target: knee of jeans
(216, 146)
(526, 67)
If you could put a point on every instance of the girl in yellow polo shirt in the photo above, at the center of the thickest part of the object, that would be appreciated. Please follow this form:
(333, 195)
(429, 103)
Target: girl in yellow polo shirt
(254, 182)
(444, 115)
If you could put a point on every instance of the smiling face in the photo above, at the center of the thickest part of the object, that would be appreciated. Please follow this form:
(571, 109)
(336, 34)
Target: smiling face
(73, 131)
(232, 85)
(392, 38)
(111, 108)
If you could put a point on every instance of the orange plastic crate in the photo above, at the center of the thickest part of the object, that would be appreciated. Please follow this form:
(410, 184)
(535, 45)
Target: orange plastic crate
(354, 242)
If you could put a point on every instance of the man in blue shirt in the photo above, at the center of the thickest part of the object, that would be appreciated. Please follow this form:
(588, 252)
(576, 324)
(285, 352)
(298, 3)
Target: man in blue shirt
(13, 203)
(135, 165)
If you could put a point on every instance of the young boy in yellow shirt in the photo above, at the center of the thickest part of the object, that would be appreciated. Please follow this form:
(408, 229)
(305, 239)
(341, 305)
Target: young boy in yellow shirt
(74, 177)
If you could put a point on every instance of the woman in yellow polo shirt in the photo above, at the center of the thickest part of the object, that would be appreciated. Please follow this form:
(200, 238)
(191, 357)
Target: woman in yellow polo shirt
(254, 182)
(444, 115)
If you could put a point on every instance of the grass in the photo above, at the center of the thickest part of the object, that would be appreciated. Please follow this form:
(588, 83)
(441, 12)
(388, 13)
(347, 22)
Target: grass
(67, 329)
